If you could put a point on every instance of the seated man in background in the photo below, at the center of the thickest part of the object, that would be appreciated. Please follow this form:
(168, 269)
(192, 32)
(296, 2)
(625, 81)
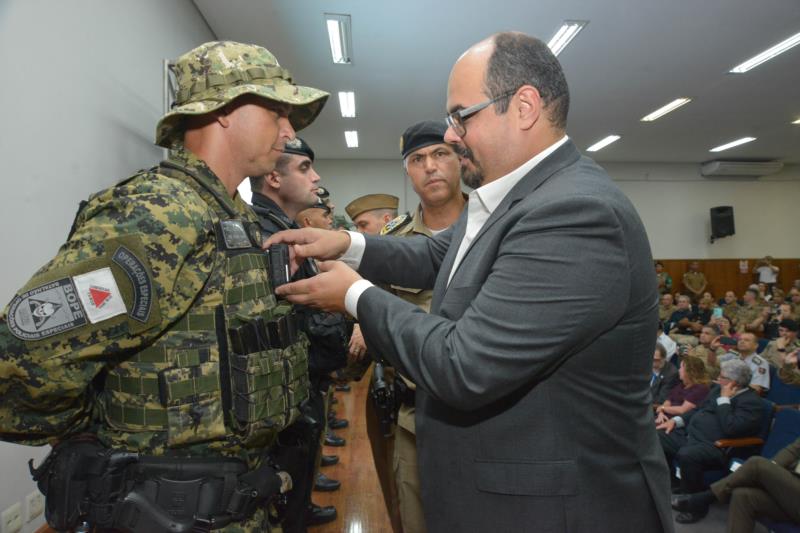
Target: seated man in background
(732, 409)
(709, 349)
(746, 351)
(730, 304)
(665, 375)
(758, 488)
(782, 352)
(680, 323)
(666, 307)
(748, 314)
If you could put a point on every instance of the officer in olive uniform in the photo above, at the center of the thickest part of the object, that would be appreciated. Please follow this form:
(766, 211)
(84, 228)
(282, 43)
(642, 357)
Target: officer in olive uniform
(694, 281)
(277, 199)
(748, 312)
(433, 168)
(154, 333)
(371, 212)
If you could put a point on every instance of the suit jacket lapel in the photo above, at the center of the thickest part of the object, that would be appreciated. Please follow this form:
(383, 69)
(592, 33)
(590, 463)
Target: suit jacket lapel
(440, 285)
(565, 155)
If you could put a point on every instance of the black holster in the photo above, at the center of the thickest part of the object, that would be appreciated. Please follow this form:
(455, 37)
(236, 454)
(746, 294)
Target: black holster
(383, 398)
(85, 482)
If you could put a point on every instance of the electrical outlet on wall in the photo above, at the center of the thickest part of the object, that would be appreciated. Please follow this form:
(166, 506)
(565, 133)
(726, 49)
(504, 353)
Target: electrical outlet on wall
(34, 505)
(11, 519)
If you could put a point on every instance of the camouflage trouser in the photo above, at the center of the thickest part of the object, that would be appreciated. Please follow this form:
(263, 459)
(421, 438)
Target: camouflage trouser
(688, 341)
(258, 523)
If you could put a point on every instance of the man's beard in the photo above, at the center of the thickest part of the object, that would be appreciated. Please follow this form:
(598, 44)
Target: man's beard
(472, 176)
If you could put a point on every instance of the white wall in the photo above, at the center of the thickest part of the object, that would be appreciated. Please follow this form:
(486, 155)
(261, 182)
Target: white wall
(81, 93)
(672, 199)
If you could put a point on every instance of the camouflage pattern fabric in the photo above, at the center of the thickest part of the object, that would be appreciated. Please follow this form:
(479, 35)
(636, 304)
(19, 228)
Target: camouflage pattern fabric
(217, 72)
(147, 245)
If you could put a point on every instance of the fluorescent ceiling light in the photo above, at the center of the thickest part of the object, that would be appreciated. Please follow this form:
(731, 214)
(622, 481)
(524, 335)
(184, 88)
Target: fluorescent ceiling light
(351, 138)
(731, 144)
(565, 34)
(768, 54)
(661, 111)
(602, 144)
(796, 121)
(347, 103)
(339, 38)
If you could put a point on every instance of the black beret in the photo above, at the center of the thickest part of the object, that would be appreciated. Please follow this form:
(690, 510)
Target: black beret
(421, 135)
(321, 204)
(298, 146)
(789, 324)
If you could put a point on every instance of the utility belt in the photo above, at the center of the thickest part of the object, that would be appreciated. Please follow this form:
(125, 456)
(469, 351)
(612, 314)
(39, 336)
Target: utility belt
(260, 334)
(86, 483)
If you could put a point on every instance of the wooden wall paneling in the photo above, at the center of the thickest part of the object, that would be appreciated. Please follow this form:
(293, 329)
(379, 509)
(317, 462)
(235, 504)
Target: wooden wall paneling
(723, 274)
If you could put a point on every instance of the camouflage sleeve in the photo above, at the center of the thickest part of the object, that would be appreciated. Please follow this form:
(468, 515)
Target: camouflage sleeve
(139, 255)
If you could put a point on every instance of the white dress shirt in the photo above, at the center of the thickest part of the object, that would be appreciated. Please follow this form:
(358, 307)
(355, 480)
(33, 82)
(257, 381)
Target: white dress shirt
(482, 203)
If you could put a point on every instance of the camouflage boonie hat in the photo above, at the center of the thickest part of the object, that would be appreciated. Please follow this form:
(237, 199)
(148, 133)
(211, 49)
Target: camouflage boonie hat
(215, 73)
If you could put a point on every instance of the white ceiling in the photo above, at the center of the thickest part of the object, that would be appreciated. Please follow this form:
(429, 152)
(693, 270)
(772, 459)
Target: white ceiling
(633, 57)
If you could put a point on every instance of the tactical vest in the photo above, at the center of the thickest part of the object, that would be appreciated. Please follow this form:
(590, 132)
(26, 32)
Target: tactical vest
(234, 368)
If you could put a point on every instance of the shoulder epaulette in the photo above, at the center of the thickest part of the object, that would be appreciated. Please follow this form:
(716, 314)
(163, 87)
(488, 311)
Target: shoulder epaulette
(396, 223)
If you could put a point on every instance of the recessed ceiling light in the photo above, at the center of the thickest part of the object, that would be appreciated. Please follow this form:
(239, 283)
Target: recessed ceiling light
(661, 111)
(768, 54)
(347, 103)
(339, 38)
(351, 138)
(565, 34)
(737, 142)
(603, 143)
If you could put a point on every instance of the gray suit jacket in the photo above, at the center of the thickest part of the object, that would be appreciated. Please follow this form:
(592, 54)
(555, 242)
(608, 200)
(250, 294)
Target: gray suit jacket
(533, 368)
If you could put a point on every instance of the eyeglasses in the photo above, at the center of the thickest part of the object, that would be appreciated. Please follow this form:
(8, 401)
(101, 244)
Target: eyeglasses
(457, 119)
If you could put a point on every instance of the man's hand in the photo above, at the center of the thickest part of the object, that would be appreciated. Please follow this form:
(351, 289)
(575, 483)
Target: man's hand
(324, 291)
(667, 426)
(357, 348)
(791, 358)
(303, 243)
(661, 418)
(728, 389)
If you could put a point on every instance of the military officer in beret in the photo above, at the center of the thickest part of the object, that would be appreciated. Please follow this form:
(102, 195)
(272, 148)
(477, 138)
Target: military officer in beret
(371, 212)
(318, 215)
(141, 343)
(433, 167)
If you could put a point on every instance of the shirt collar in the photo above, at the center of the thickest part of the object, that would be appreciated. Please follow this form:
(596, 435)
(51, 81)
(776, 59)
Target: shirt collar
(493, 193)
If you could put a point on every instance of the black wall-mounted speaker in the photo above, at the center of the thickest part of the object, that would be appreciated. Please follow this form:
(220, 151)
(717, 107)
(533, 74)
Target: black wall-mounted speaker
(722, 221)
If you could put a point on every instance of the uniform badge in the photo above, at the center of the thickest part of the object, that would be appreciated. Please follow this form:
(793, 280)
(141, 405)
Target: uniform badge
(45, 311)
(395, 223)
(757, 360)
(762, 370)
(99, 294)
(140, 280)
(234, 235)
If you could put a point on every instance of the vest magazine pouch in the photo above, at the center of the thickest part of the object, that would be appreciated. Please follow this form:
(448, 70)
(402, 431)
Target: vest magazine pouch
(296, 357)
(258, 395)
(192, 400)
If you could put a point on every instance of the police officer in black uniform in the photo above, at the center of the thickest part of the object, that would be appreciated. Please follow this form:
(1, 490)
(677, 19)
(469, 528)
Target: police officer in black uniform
(277, 198)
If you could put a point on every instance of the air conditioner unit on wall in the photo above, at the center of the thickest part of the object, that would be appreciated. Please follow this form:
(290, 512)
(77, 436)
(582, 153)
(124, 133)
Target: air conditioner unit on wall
(713, 169)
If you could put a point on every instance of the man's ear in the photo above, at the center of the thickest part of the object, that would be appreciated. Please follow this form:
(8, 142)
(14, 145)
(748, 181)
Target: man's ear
(222, 116)
(529, 106)
(273, 180)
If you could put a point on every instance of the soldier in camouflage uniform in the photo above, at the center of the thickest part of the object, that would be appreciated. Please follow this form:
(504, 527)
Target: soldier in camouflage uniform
(434, 171)
(748, 313)
(128, 333)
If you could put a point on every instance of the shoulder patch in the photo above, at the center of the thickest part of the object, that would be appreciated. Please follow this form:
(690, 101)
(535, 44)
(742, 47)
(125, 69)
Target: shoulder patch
(395, 224)
(46, 310)
(140, 280)
(99, 294)
(757, 360)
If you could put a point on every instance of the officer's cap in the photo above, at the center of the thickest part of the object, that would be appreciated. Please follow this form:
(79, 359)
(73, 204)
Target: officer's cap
(371, 202)
(217, 72)
(322, 192)
(298, 146)
(422, 134)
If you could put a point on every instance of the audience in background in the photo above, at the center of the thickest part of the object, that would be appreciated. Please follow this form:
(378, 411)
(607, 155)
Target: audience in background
(694, 281)
(688, 393)
(666, 307)
(746, 317)
(746, 351)
(664, 279)
(709, 349)
(767, 272)
(665, 376)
